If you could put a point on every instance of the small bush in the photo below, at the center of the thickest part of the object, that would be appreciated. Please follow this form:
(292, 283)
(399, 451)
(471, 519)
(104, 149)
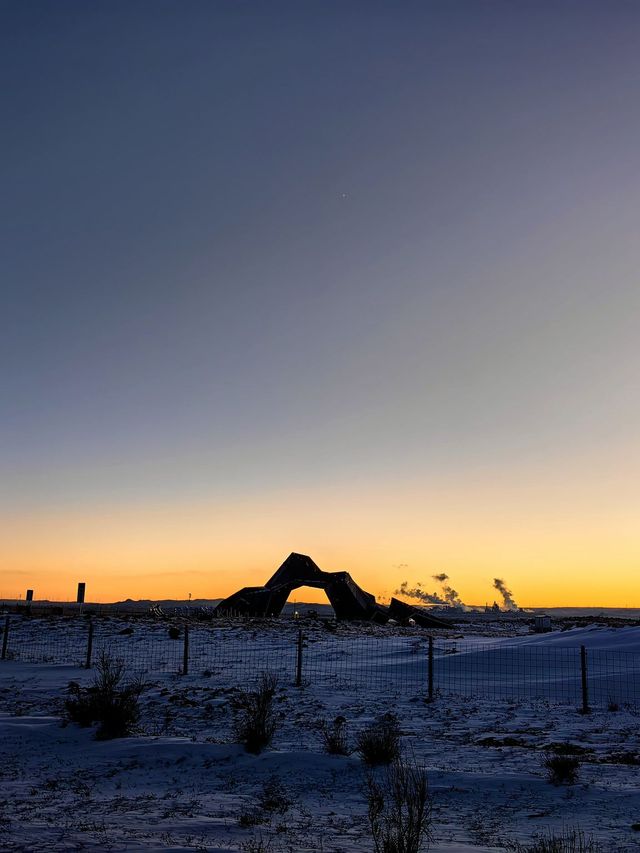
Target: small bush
(568, 841)
(250, 818)
(335, 737)
(174, 633)
(256, 845)
(562, 768)
(274, 797)
(110, 701)
(255, 721)
(632, 759)
(379, 742)
(399, 809)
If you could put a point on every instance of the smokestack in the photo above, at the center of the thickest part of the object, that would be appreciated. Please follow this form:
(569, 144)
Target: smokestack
(81, 589)
(29, 596)
(505, 592)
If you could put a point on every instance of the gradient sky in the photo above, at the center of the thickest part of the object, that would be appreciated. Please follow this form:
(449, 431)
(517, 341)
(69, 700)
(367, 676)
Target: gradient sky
(355, 279)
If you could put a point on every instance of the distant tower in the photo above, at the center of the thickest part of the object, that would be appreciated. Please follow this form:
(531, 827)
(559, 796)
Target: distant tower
(29, 595)
(81, 589)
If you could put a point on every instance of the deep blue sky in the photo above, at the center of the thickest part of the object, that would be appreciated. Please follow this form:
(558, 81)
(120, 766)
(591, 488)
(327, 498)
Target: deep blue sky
(252, 245)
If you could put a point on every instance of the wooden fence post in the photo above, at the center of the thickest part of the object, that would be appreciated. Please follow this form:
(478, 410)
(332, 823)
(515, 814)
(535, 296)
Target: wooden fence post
(299, 659)
(430, 669)
(5, 637)
(185, 652)
(585, 686)
(87, 664)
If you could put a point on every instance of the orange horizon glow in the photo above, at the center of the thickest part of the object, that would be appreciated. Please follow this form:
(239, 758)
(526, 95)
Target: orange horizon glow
(553, 543)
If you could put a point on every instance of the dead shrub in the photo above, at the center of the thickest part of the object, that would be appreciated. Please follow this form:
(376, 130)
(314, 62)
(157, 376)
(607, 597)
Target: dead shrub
(255, 720)
(335, 737)
(379, 742)
(274, 797)
(562, 768)
(256, 845)
(399, 808)
(111, 702)
(567, 841)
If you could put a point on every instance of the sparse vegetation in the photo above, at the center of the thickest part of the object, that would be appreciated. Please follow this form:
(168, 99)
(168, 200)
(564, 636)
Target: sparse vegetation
(625, 757)
(111, 701)
(256, 845)
(568, 841)
(255, 720)
(251, 817)
(274, 797)
(562, 768)
(273, 800)
(379, 742)
(335, 737)
(399, 808)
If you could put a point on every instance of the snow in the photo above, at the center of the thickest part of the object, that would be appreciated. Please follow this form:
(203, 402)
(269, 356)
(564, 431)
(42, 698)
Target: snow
(626, 639)
(182, 784)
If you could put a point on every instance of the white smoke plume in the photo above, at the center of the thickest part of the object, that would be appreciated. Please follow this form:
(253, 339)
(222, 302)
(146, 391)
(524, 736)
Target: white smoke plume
(449, 594)
(505, 592)
(419, 593)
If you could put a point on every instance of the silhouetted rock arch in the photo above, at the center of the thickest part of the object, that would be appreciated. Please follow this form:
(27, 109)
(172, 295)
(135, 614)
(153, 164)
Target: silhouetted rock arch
(349, 601)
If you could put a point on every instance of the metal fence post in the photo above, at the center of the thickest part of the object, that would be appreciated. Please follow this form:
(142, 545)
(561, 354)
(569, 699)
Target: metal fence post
(430, 669)
(5, 637)
(87, 664)
(299, 660)
(185, 652)
(585, 686)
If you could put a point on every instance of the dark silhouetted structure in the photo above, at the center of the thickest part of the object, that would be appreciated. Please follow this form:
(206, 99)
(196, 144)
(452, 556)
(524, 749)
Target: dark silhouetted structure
(403, 612)
(29, 595)
(348, 600)
(81, 589)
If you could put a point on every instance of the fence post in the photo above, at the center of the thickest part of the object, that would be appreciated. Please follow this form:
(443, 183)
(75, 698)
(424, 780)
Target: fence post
(5, 637)
(585, 686)
(185, 652)
(299, 660)
(87, 664)
(430, 669)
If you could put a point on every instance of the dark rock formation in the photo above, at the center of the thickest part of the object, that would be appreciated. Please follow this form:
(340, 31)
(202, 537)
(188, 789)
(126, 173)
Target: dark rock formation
(402, 612)
(348, 600)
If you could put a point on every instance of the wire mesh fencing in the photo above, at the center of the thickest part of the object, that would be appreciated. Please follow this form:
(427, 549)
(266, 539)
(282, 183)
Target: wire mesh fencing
(416, 665)
(503, 673)
(613, 678)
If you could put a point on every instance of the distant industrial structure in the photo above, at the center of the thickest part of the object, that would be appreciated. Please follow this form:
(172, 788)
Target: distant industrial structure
(542, 623)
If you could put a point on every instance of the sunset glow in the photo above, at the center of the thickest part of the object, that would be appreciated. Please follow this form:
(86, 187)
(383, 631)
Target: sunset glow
(358, 285)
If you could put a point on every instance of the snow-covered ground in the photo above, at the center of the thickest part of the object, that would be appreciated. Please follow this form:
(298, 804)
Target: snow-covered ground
(182, 784)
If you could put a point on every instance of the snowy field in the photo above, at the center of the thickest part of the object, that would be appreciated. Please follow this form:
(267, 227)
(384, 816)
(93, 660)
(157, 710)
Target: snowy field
(504, 662)
(181, 783)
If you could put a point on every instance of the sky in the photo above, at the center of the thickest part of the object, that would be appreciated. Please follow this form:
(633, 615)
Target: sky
(352, 279)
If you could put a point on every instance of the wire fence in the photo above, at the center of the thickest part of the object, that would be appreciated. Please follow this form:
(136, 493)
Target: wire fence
(401, 664)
